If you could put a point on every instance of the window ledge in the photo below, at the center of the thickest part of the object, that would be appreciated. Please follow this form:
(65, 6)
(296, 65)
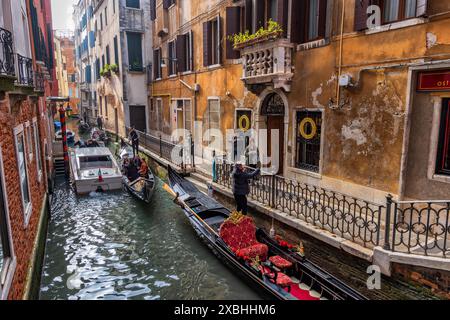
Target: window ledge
(186, 73)
(313, 44)
(172, 76)
(28, 211)
(214, 66)
(397, 25)
(306, 173)
(441, 178)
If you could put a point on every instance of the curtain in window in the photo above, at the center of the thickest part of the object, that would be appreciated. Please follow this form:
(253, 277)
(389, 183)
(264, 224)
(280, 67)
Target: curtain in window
(410, 8)
(313, 30)
(23, 170)
(391, 10)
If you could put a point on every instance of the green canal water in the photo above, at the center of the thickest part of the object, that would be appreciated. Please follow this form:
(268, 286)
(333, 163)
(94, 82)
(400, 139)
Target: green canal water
(112, 247)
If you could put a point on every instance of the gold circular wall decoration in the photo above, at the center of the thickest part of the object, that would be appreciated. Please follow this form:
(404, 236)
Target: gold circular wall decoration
(245, 119)
(302, 128)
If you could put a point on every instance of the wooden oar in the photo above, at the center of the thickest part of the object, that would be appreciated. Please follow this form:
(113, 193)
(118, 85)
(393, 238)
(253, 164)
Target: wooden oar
(169, 190)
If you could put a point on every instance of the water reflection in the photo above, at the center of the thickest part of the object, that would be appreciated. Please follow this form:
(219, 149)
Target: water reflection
(109, 246)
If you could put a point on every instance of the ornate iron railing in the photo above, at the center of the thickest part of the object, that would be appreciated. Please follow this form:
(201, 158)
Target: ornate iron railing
(421, 227)
(7, 64)
(351, 218)
(25, 67)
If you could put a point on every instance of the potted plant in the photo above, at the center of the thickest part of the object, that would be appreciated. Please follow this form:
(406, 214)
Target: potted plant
(241, 40)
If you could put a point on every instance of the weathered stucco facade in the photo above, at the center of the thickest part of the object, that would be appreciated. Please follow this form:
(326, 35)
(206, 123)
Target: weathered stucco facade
(373, 142)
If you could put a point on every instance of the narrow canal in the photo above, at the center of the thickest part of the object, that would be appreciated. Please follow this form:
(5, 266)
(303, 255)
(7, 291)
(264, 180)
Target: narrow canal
(110, 246)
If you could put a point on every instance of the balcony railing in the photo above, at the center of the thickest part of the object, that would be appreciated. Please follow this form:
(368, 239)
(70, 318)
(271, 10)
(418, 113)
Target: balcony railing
(7, 64)
(25, 68)
(268, 62)
(133, 20)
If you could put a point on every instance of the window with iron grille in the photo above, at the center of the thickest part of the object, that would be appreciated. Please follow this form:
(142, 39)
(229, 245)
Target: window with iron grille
(172, 58)
(443, 159)
(309, 135)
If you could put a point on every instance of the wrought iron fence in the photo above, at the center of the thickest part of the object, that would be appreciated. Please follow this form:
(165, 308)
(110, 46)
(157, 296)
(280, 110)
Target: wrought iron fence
(420, 227)
(25, 67)
(351, 218)
(7, 66)
(165, 149)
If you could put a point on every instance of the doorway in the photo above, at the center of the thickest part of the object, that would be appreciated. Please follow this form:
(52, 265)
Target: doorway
(273, 110)
(138, 118)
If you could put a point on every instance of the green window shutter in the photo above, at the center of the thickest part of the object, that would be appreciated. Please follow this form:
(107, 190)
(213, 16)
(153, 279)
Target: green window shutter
(135, 51)
(133, 4)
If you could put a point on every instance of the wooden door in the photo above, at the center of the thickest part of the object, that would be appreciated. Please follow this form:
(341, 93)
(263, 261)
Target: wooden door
(276, 123)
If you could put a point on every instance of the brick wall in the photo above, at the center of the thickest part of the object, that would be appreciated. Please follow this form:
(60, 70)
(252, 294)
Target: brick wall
(14, 112)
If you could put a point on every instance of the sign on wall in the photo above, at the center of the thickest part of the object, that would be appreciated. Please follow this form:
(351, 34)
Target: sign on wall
(434, 81)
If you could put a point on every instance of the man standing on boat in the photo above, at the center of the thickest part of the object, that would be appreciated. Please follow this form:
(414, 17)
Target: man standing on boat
(134, 137)
(241, 186)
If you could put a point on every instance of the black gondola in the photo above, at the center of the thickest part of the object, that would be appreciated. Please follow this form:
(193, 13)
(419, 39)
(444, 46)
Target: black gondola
(305, 280)
(142, 188)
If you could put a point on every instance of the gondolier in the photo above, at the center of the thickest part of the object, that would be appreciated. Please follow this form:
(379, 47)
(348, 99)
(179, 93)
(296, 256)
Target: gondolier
(134, 138)
(241, 186)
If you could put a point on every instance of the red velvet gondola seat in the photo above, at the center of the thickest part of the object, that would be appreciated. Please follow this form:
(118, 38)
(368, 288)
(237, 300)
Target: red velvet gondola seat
(241, 238)
(280, 262)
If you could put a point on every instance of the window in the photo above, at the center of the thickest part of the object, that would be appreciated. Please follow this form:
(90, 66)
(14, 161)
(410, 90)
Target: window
(184, 52)
(106, 16)
(29, 141)
(211, 118)
(133, 4)
(212, 38)
(135, 51)
(157, 62)
(397, 10)
(172, 58)
(183, 114)
(7, 263)
(116, 51)
(37, 145)
(114, 6)
(309, 134)
(101, 21)
(308, 20)
(168, 3)
(108, 56)
(23, 172)
(443, 159)
(106, 107)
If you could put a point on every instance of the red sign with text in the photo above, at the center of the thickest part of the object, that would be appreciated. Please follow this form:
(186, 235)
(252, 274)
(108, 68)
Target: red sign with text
(436, 81)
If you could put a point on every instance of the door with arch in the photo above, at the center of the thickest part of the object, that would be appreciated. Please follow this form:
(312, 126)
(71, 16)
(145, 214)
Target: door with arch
(273, 109)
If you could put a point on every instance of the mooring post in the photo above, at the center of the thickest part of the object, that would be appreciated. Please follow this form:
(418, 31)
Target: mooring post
(62, 114)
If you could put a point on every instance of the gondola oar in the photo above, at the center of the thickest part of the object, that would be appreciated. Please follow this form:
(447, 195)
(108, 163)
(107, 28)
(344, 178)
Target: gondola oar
(183, 204)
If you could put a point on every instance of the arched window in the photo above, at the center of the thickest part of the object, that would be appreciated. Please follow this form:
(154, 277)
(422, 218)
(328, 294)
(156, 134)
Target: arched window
(273, 105)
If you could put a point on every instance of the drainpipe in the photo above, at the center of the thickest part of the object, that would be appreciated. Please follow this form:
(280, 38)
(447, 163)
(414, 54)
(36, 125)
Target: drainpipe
(341, 46)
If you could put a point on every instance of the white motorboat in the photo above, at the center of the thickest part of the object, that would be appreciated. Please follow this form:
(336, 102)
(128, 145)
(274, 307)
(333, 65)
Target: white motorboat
(95, 170)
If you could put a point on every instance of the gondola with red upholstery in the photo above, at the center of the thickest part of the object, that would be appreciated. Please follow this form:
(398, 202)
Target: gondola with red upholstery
(275, 271)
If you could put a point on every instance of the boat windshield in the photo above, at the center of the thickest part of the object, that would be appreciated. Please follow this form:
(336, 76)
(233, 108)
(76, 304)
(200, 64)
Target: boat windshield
(95, 162)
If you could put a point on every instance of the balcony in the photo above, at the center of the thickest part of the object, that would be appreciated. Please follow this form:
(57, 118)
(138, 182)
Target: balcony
(133, 20)
(7, 63)
(267, 63)
(25, 71)
(39, 82)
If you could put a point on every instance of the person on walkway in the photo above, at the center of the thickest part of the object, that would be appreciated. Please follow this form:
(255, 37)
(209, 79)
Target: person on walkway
(100, 122)
(241, 186)
(134, 138)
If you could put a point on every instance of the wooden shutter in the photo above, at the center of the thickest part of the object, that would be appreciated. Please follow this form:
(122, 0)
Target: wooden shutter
(422, 6)
(181, 52)
(249, 15)
(298, 21)
(191, 50)
(283, 15)
(207, 58)
(260, 14)
(233, 27)
(361, 14)
(323, 18)
(152, 10)
(219, 39)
